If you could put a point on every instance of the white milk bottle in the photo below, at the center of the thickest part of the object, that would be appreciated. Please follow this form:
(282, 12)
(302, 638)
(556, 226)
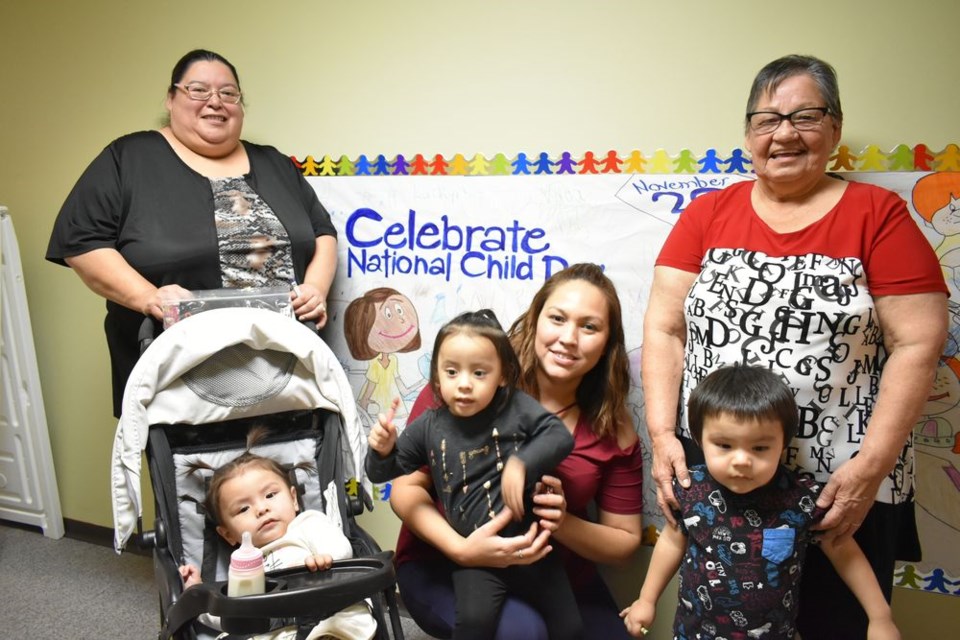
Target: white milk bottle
(246, 569)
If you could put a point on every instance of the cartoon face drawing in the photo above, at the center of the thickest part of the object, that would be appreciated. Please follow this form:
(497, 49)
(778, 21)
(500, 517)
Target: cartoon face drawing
(395, 324)
(381, 321)
(935, 198)
(935, 428)
(946, 220)
(945, 394)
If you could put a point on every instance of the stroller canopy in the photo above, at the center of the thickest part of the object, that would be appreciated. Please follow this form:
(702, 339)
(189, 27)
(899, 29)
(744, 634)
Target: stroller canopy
(221, 365)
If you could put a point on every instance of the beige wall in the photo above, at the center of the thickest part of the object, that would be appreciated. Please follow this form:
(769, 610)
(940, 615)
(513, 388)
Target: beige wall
(356, 77)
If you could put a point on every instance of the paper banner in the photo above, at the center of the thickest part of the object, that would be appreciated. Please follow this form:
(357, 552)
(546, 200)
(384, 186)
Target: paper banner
(460, 234)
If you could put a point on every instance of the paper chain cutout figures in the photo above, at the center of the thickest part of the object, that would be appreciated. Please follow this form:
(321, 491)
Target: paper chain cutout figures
(871, 158)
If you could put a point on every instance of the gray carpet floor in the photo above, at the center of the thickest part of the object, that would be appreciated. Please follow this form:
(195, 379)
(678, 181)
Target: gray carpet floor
(71, 589)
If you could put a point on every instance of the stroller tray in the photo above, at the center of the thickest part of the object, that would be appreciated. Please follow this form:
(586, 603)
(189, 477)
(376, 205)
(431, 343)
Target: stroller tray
(290, 593)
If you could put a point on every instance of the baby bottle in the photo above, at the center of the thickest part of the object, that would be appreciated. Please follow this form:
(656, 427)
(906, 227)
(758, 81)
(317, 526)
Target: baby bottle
(246, 569)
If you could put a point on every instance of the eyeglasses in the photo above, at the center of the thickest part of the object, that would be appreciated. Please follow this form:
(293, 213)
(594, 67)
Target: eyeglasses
(805, 119)
(201, 92)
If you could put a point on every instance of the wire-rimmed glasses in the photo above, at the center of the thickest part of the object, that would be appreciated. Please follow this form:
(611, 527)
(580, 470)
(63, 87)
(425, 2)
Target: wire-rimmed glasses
(805, 119)
(202, 92)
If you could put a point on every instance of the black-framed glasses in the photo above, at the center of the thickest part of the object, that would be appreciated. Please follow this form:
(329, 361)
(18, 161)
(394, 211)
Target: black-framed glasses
(202, 92)
(804, 119)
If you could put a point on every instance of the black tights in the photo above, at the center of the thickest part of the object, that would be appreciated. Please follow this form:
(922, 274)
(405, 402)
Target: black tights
(481, 593)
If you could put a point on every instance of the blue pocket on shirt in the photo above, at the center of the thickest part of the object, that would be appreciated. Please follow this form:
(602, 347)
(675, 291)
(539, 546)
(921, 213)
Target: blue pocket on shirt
(778, 544)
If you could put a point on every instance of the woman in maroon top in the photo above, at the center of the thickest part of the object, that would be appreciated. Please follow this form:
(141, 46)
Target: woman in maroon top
(571, 347)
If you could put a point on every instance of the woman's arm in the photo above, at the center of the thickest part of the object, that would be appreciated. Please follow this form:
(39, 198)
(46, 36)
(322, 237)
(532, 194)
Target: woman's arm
(610, 540)
(108, 274)
(914, 328)
(664, 341)
(614, 537)
(311, 304)
(410, 499)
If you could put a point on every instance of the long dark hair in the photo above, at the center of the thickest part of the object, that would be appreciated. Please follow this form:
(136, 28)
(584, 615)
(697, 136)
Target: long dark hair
(602, 394)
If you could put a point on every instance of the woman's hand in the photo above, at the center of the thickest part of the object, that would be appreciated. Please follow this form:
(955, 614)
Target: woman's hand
(549, 503)
(318, 562)
(849, 495)
(309, 303)
(486, 548)
(669, 461)
(167, 294)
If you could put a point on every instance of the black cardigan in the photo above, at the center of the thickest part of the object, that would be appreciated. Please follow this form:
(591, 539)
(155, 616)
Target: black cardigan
(140, 198)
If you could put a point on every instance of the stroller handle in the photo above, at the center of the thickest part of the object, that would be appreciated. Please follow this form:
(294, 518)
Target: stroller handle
(148, 331)
(150, 328)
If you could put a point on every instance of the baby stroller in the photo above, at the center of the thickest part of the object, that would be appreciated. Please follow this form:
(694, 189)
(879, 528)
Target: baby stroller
(195, 393)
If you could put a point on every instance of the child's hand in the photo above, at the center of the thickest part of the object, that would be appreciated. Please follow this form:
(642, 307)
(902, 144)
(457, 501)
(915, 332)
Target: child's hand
(638, 617)
(511, 485)
(882, 629)
(190, 575)
(383, 435)
(318, 562)
(549, 503)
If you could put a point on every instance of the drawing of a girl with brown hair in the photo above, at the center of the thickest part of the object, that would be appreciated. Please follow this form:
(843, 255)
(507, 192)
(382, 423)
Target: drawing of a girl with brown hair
(377, 326)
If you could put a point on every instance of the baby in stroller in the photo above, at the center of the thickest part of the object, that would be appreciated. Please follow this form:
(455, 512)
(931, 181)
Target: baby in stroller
(254, 493)
(195, 394)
